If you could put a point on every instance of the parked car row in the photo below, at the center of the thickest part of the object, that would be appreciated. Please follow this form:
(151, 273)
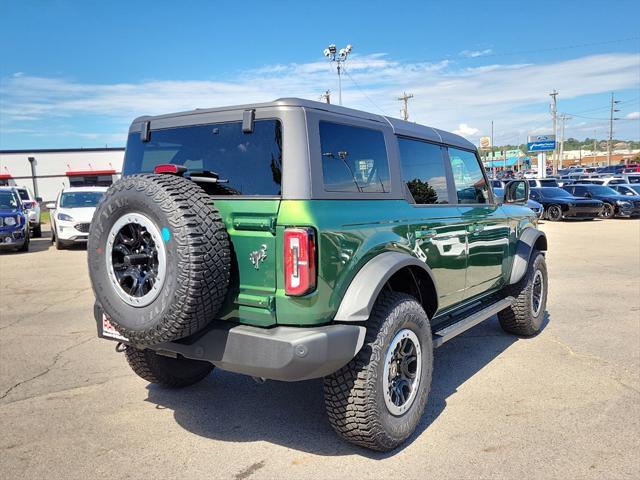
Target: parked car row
(71, 213)
(588, 201)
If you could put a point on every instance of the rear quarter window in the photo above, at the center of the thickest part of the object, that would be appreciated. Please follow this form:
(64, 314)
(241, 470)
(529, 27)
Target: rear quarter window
(354, 159)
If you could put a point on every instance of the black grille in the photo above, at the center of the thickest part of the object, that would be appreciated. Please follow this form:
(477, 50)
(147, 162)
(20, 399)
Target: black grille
(82, 227)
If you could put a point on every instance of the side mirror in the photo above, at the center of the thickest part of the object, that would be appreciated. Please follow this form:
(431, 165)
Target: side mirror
(516, 191)
(51, 205)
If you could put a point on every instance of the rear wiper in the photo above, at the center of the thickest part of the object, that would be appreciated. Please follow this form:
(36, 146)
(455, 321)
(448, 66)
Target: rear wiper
(204, 176)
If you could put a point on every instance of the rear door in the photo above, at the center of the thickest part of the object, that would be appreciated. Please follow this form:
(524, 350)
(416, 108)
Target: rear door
(487, 227)
(436, 230)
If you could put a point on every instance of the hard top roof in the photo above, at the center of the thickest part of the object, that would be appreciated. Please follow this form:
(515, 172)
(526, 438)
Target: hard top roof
(400, 127)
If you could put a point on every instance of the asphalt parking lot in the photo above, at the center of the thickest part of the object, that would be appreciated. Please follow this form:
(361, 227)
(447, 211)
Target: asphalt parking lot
(565, 404)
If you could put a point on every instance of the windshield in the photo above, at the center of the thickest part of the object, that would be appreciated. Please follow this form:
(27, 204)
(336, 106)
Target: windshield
(80, 199)
(244, 163)
(8, 201)
(554, 192)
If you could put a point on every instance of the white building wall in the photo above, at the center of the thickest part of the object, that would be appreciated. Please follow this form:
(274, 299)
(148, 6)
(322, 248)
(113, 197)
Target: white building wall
(51, 167)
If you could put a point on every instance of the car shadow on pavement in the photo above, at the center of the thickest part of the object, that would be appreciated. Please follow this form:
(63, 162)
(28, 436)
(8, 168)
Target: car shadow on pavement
(234, 408)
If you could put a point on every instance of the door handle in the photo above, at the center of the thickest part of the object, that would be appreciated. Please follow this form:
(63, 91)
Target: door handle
(426, 233)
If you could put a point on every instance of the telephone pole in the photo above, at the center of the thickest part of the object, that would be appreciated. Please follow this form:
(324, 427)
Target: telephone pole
(563, 118)
(611, 119)
(554, 115)
(326, 97)
(493, 160)
(405, 109)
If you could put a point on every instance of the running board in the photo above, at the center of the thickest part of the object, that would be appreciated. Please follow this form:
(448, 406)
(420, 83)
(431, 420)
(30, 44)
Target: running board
(457, 327)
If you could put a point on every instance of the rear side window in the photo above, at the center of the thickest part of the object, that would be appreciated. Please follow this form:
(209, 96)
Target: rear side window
(423, 171)
(245, 163)
(471, 185)
(354, 159)
(24, 195)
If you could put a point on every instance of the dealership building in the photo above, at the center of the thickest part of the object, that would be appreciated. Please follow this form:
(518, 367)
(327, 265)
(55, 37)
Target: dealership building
(46, 172)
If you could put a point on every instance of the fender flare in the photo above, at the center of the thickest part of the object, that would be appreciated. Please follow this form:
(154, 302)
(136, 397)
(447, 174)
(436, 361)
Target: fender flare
(531, 238)
(359, 298)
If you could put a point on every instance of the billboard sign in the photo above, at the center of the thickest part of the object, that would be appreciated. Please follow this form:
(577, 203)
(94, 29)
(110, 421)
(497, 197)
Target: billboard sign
(541, 143)
(485, 143)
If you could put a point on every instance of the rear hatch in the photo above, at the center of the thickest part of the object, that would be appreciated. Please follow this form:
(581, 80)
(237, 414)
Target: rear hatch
(242, 172)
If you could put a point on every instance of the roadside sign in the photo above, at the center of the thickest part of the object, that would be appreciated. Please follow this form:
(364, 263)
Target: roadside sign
(541, 143)
(485, 143)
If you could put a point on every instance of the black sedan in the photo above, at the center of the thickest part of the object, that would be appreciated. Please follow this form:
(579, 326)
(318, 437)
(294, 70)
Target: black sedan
(559, 204)
(615, 204)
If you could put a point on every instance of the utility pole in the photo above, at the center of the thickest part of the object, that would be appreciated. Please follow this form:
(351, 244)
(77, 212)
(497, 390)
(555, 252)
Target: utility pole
(405, 109)
(554, 114)
(326, 96)
(611, 119)
(563, 118)
(595, 148)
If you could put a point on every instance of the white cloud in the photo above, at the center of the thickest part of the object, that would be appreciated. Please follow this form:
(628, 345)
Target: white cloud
(465, 130)
(476, 53)
(633, 116)
(514, 96)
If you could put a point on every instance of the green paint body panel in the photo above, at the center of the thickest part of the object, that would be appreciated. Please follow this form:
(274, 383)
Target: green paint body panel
(469, 250)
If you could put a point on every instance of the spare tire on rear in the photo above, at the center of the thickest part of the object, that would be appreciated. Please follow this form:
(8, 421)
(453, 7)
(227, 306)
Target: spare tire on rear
(159, 258)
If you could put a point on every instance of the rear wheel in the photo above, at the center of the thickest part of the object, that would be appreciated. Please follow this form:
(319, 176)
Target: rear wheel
(554, 213)
(164, 371)
(377, 399)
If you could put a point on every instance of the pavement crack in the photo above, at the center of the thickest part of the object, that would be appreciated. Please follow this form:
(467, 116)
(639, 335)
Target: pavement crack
(573, 353)
(56, 358)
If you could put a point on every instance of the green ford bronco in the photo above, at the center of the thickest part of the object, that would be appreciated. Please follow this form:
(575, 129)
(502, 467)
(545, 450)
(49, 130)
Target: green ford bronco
(294, 240)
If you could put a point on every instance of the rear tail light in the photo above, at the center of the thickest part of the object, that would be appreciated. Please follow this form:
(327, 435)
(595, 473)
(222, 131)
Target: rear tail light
(299, 261)
(169, 168)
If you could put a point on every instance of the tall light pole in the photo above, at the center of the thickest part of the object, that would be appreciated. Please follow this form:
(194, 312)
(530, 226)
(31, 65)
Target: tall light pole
(563, 118)
(340, 57)
(611, 119)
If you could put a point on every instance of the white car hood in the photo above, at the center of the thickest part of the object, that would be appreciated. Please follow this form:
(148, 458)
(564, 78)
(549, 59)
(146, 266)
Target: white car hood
(79, 215)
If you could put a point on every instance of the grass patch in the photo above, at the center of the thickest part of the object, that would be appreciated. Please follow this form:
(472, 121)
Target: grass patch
(45, 217)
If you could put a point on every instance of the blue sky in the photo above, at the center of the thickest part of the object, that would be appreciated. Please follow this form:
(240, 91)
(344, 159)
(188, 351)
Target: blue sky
(76, 73)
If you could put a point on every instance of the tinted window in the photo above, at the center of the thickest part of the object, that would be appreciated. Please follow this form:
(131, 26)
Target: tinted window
(24, 195)
(90, 180)
(245, 163)
(423, 171)
(471, 186)
(8, 200)
(80, 199)
(354, 159)
(548, 183)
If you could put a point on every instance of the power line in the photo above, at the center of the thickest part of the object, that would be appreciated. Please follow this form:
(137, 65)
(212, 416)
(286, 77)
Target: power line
(364, 93)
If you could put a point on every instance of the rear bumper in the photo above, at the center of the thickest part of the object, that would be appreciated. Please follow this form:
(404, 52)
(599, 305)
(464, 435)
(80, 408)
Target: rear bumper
(281, 353)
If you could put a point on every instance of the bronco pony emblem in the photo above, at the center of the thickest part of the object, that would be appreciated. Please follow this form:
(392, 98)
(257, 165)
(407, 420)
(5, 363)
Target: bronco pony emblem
(258, 256)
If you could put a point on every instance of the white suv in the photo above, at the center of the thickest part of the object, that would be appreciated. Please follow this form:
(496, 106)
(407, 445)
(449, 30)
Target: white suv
(71, 214)
(32, 207)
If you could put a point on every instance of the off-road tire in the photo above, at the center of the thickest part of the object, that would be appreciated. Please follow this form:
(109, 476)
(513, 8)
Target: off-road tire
(354, 394)
(198, 257)
(166, 371)
(520, 319)
(554, 213)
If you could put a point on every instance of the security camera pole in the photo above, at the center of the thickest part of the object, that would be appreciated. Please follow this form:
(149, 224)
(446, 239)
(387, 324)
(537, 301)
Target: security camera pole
(339, 57)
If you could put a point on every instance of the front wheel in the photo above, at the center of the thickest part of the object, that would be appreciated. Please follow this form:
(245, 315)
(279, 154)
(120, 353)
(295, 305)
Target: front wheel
(164, 371)
(554, 213)
(526, 315)
(607, 211)
(377, 399)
